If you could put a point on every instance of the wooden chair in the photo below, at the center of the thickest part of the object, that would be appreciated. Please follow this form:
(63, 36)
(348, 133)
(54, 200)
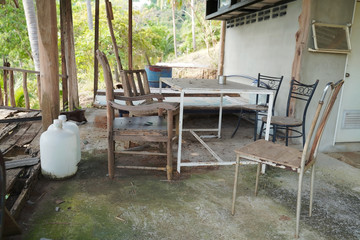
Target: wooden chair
(143, 129)
(287, 158)
(258, 108)
(298, 91)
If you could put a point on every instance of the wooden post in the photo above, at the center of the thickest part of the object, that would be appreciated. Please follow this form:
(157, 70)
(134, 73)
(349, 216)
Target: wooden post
(64, 79)
(6, 100)
(49, 65)
(301, 36)
(26, 94)
(1, 97)
(222, 48)
(66, 15)
(11, 89)
(109, 17)
(38, 81)
(130, 36)
(96, 46)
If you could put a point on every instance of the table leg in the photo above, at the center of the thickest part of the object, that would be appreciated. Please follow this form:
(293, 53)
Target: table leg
(220, 114)
(181, 118)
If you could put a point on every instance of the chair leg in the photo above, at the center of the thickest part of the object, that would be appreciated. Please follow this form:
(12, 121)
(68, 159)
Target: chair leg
(312, 190)
(256, 123)
(261, 130)
(111, 156)
(298, 203)
(235, 184)
(274, 133)
(286, 136)
(303, 133)
(257, 178)
(237, 125)
(169, 157)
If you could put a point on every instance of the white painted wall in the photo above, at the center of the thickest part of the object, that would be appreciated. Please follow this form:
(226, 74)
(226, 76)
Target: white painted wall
(268, 47)
(265, 47)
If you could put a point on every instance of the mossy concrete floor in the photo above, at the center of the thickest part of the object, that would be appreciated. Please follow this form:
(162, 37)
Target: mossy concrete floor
(197, 203)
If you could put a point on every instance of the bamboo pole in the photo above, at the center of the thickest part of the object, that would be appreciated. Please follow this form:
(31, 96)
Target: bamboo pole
(48, 54)
(11, 89)
(26, 94)
(96, 46)
(222, 48)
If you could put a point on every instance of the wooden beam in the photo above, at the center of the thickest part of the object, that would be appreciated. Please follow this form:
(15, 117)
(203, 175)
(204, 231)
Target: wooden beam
(66, 15)
(115, 47)
(49, 65)
(6, 100)
(65, 92)
(96, 47)
(302, 36)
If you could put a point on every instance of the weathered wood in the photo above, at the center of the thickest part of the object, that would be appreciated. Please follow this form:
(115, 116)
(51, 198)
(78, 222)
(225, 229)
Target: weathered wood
(10, 225)
(25, 193)
(12, 139)
(24, 70)
(11, 177)
(1, 97)
(68, 32)
(26, 94)
(18, 109)
(29, 135)
(6, 100)
(7, 129)
(301, 36)
(12, 89)
(222, 48)
(21, 163)
(49, 69)
(38, 83)
(65, 94)
(113, 39)
(96, 46)
(130, 27)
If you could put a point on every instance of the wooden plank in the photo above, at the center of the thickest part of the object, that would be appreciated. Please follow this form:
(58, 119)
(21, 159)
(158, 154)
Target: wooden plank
(11, 177)
(5, 87)
(48, 56)
(34, 146)
(21, 163)
(30, 134)
(7, 129)
(10, 225)
(25, 193)
(10, 141)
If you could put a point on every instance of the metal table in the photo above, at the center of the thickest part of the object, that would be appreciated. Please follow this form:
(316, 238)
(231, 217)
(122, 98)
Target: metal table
(211, 86)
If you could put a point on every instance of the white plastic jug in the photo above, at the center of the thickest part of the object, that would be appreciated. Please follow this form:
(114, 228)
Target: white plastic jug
(75, 129)
(58, 152)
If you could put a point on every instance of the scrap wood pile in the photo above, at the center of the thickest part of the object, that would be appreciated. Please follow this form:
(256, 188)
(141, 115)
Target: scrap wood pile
(19, 144)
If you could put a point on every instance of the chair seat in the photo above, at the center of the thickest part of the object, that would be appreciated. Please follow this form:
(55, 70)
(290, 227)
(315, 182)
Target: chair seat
(152, 111)
(284, 121)
(273, 154)
(149, 123)
(254, 107)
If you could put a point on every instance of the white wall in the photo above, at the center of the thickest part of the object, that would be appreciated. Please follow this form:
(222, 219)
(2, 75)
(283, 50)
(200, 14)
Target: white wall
(265, 47)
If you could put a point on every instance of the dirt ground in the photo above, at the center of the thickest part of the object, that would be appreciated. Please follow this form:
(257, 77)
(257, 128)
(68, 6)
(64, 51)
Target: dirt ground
(196, 204)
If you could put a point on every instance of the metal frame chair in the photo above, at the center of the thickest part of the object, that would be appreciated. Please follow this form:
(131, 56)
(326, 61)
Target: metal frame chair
(144, 128)
(263, 81)
(287, 158)
(299, 91)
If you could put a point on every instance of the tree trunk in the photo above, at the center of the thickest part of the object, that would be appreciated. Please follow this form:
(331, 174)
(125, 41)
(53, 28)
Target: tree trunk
(31, 23)
(193, 24)
(174, 26)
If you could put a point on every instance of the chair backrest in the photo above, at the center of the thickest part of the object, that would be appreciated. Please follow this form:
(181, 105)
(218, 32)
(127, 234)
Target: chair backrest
(269, 82)
(335, 89)
(107, 75)
(302, 92)
(135, 83)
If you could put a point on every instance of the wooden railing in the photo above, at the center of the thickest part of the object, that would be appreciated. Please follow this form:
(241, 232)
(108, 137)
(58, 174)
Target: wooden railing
(9, 89)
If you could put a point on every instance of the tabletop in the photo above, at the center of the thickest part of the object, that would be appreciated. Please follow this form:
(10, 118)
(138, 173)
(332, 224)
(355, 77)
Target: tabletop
(211, 85)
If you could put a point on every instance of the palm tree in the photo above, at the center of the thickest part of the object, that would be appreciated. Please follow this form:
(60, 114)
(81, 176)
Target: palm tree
(31, 23)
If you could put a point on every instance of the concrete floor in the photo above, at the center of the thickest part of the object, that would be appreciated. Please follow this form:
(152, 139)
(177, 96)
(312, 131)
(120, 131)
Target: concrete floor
(196, 205)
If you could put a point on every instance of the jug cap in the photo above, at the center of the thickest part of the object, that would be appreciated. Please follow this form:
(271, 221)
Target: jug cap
(62, 117)
(57, 123)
